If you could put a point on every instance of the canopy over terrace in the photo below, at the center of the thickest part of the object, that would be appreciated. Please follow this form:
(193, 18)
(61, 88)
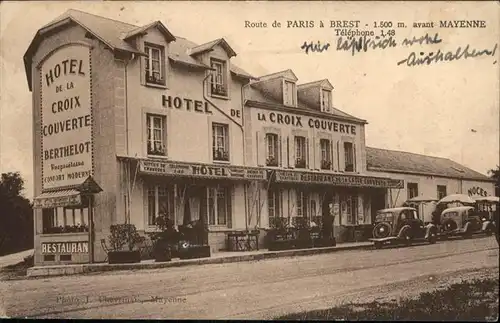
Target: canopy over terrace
(148, 166)
(343, 180)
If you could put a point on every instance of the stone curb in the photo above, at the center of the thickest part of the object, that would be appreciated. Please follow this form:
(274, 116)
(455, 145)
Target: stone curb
(62, 270)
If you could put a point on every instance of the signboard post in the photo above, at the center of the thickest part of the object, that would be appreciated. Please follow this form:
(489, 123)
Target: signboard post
(88, 189)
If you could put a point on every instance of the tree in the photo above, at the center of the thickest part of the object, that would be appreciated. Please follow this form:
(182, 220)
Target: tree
(495, 174)
(16, 215)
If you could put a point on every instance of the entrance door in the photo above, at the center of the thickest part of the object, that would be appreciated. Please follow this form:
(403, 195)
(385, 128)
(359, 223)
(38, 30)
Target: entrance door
(378, 201)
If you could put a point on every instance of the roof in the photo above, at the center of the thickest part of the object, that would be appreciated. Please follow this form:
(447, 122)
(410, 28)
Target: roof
(286, 74)
(114, 34)
(392, 161)
(457, 209)
(273, 104)
(324, 83)
(210, 45)
(142, 30)
(396, 209)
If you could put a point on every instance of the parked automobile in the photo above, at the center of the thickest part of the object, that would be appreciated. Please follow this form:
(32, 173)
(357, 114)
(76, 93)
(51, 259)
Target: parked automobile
(464, 221)
(401, 226)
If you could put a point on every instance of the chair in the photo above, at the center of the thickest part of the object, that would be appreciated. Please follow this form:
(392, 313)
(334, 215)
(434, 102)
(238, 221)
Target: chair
(105, 248)
(146, 249)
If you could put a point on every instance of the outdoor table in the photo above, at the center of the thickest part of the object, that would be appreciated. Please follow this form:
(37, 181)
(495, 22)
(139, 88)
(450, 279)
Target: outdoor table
(243, 241)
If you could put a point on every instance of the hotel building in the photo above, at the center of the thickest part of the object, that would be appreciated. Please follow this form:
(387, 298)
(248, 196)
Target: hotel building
(164, 125)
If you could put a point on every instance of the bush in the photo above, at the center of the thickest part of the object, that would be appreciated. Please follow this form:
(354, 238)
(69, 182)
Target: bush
(124, 234)
(29, 261)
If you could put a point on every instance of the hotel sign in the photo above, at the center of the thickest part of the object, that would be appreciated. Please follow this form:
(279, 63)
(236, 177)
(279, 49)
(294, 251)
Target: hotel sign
(66, 117)
(315, 123)
(200, 170)
(71, 247)
(334, 179)
(57, 201)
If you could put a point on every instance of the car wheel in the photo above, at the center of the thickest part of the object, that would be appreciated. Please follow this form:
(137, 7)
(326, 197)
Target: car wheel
(488, 231)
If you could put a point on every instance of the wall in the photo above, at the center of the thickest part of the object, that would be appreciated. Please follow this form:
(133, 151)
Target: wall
(103, 127)
(258, 127)
(189, 133)
(427, 186)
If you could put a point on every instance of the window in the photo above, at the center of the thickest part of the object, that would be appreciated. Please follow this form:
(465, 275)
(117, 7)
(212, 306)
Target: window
(302, 202)
(349, 157)
(349, 207)
(326, 101)
(300, 152)
(160, 202)
(219, 210)
(219, 79)
(64, 220)
(273, 204)
(441, 191)
(220, 142)
(412, 190)
(326, 160)
(156, 135)
(289, 94)
(272, 149)
(154, 65)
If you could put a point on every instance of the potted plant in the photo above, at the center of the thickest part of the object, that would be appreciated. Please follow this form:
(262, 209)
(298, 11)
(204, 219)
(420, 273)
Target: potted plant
(303, 239)
(165, 239)
(280, 235)
(124, 235)
(194, 241)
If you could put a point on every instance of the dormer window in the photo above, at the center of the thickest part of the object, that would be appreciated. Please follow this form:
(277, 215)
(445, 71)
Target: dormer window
(155, 64)
(219, 78)
(289, 94)
(326, 100)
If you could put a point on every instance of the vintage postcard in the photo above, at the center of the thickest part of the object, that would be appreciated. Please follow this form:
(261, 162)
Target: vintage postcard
(301, 160)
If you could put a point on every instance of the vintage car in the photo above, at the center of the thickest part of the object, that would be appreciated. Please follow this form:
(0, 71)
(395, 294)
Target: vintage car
(464, 221)
(401, 226)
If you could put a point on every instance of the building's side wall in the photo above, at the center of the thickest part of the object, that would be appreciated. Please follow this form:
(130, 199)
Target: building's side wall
(427, 186)
(103, 130)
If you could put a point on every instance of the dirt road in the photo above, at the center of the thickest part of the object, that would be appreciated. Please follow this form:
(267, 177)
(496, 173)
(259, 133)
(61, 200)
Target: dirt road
(255, 290)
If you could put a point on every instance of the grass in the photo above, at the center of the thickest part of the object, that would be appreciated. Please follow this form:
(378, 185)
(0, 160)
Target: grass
(475, 300)
(17, 270)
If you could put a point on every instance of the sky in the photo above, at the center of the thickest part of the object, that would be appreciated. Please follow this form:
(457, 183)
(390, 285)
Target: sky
(447, 109)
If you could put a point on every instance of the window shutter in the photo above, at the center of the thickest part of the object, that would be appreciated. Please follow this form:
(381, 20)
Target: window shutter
(339, 161)
(332, 157)
(361, 216)
(318, 153)
(355, 169)
(280, 151)
(291, 144)
(308, 157)
(261, 148)
(230, 208)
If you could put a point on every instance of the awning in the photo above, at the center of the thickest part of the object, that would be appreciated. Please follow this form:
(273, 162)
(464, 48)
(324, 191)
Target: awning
(198, 170)
(57, 199)
(336, 179)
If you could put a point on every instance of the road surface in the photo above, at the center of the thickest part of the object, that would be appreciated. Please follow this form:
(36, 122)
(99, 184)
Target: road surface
(257, 290)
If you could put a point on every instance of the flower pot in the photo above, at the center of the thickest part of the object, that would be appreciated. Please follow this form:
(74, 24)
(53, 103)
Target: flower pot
(303, 243)
(162, 254)
(124, 257)
(324, 242)
(277, 245)
(194, 251)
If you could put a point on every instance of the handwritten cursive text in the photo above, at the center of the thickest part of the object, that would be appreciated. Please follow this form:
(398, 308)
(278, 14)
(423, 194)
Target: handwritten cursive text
(435, 57)
(318, 47)
(364, 43)
(424, 40)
